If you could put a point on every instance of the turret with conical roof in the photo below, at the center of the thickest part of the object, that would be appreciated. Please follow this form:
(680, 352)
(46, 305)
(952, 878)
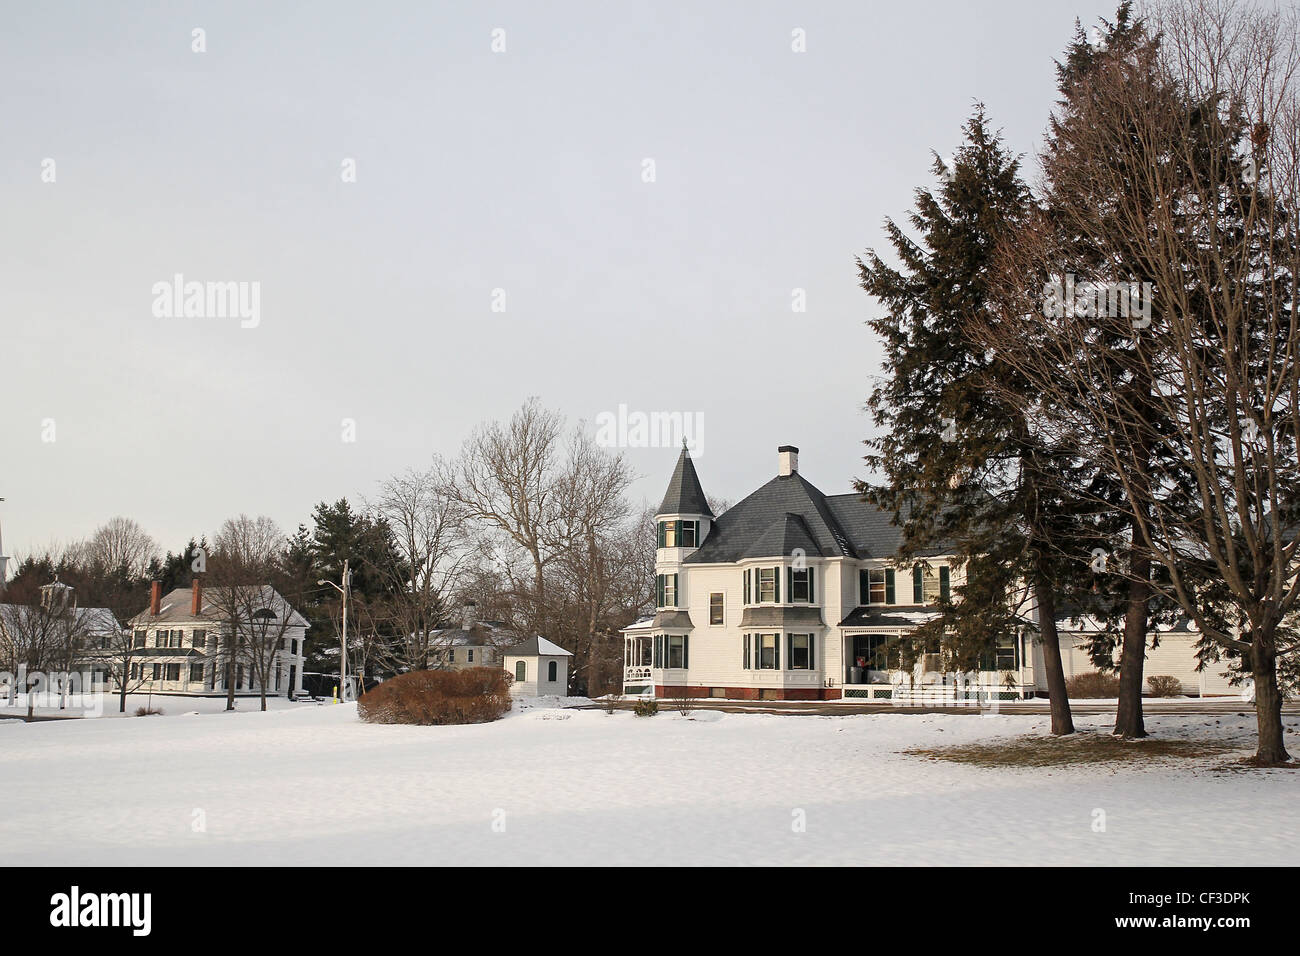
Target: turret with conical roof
(684, 495)
(682, 523)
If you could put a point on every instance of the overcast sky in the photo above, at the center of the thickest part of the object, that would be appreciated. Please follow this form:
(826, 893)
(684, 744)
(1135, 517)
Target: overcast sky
(476, 170)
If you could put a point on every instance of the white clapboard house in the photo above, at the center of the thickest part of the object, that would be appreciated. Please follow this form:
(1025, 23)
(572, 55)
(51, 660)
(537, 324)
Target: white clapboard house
(178, 649)
(792, 594)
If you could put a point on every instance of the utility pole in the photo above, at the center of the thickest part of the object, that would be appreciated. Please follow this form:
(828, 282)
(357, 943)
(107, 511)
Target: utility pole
(343, 589)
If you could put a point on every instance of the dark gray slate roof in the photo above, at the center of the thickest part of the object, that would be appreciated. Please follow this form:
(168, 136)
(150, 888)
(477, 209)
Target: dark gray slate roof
(782, 537)
(673, 619)
(684, 495)
(536, 647)
(901, 616)
(739, 529)
(781, 617)
(872, 531)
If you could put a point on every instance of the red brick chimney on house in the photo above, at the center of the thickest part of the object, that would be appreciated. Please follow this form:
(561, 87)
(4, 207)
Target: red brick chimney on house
(155, 598)
(196, 597)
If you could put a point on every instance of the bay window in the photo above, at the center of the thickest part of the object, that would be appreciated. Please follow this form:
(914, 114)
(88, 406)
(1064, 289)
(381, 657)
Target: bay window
(799, 584)
(672, 650)
(799, 651)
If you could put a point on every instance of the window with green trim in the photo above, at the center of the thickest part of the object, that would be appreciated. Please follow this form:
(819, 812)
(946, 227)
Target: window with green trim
(680, 533)
(799, 651)
(877, 585)
(676, 650)
(521, 671)
(666, 590)
(800, 585)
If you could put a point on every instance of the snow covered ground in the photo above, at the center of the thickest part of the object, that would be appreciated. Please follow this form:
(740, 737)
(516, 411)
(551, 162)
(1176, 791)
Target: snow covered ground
(313, 785)
(101, 705)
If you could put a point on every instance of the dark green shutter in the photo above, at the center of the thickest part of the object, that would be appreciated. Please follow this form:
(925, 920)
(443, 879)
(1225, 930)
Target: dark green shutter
(747, 585)
(776, 583)
(918, 584)
(776, 650)
(744, 652)
(789, 583)
(945, 582)
(812, 639)
(686, 651)
(889, 585)
(812, 594)
(864, 586)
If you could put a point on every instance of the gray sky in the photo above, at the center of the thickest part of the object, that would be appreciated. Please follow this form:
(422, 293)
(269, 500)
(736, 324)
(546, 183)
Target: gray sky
(475, 171)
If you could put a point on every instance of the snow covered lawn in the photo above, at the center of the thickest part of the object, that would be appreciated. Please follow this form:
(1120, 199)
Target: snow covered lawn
(313, 785)
(108, 705)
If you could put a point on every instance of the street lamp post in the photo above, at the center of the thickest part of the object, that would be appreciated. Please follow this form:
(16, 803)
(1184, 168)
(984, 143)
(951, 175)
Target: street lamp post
(343, 656)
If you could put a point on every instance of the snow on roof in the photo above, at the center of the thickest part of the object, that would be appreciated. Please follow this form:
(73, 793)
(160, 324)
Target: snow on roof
(537, 647)
(641, 624)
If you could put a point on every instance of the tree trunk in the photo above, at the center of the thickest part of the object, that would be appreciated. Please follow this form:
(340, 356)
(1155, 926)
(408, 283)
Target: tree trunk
(1128, 716)
(1270, 745)
(1062, 722)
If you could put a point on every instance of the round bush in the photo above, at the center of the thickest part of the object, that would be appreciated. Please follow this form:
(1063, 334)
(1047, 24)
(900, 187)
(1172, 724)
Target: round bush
(474, 695)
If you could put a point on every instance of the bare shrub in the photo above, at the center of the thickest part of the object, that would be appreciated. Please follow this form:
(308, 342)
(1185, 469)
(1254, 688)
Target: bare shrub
(1093, 684)
(1163, 685)
(475, 695)
(682, 700)
(148, 711)
(646, 708)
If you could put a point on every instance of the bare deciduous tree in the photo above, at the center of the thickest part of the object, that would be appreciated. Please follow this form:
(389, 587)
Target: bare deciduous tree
(121, 543)
(431, 547)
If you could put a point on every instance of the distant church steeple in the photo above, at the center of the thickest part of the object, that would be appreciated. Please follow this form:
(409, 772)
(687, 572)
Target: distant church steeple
(4, 561)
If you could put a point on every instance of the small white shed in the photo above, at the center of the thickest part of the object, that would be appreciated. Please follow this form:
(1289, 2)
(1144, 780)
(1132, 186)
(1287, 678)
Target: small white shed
(539, 667)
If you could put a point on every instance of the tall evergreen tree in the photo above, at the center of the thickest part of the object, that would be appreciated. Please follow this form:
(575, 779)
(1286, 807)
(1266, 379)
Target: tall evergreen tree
(1123, 44)
(962, 465)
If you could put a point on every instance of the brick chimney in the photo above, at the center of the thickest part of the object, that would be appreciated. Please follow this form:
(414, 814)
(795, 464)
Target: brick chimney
(787, 460)
(196, 597)
(467, 615)
(155, 598)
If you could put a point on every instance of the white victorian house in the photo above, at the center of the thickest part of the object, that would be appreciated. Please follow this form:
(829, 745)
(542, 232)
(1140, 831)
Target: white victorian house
(792, 594)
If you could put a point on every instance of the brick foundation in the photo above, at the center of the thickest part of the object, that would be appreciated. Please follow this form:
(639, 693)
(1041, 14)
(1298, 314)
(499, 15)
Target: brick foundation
(749, 693)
